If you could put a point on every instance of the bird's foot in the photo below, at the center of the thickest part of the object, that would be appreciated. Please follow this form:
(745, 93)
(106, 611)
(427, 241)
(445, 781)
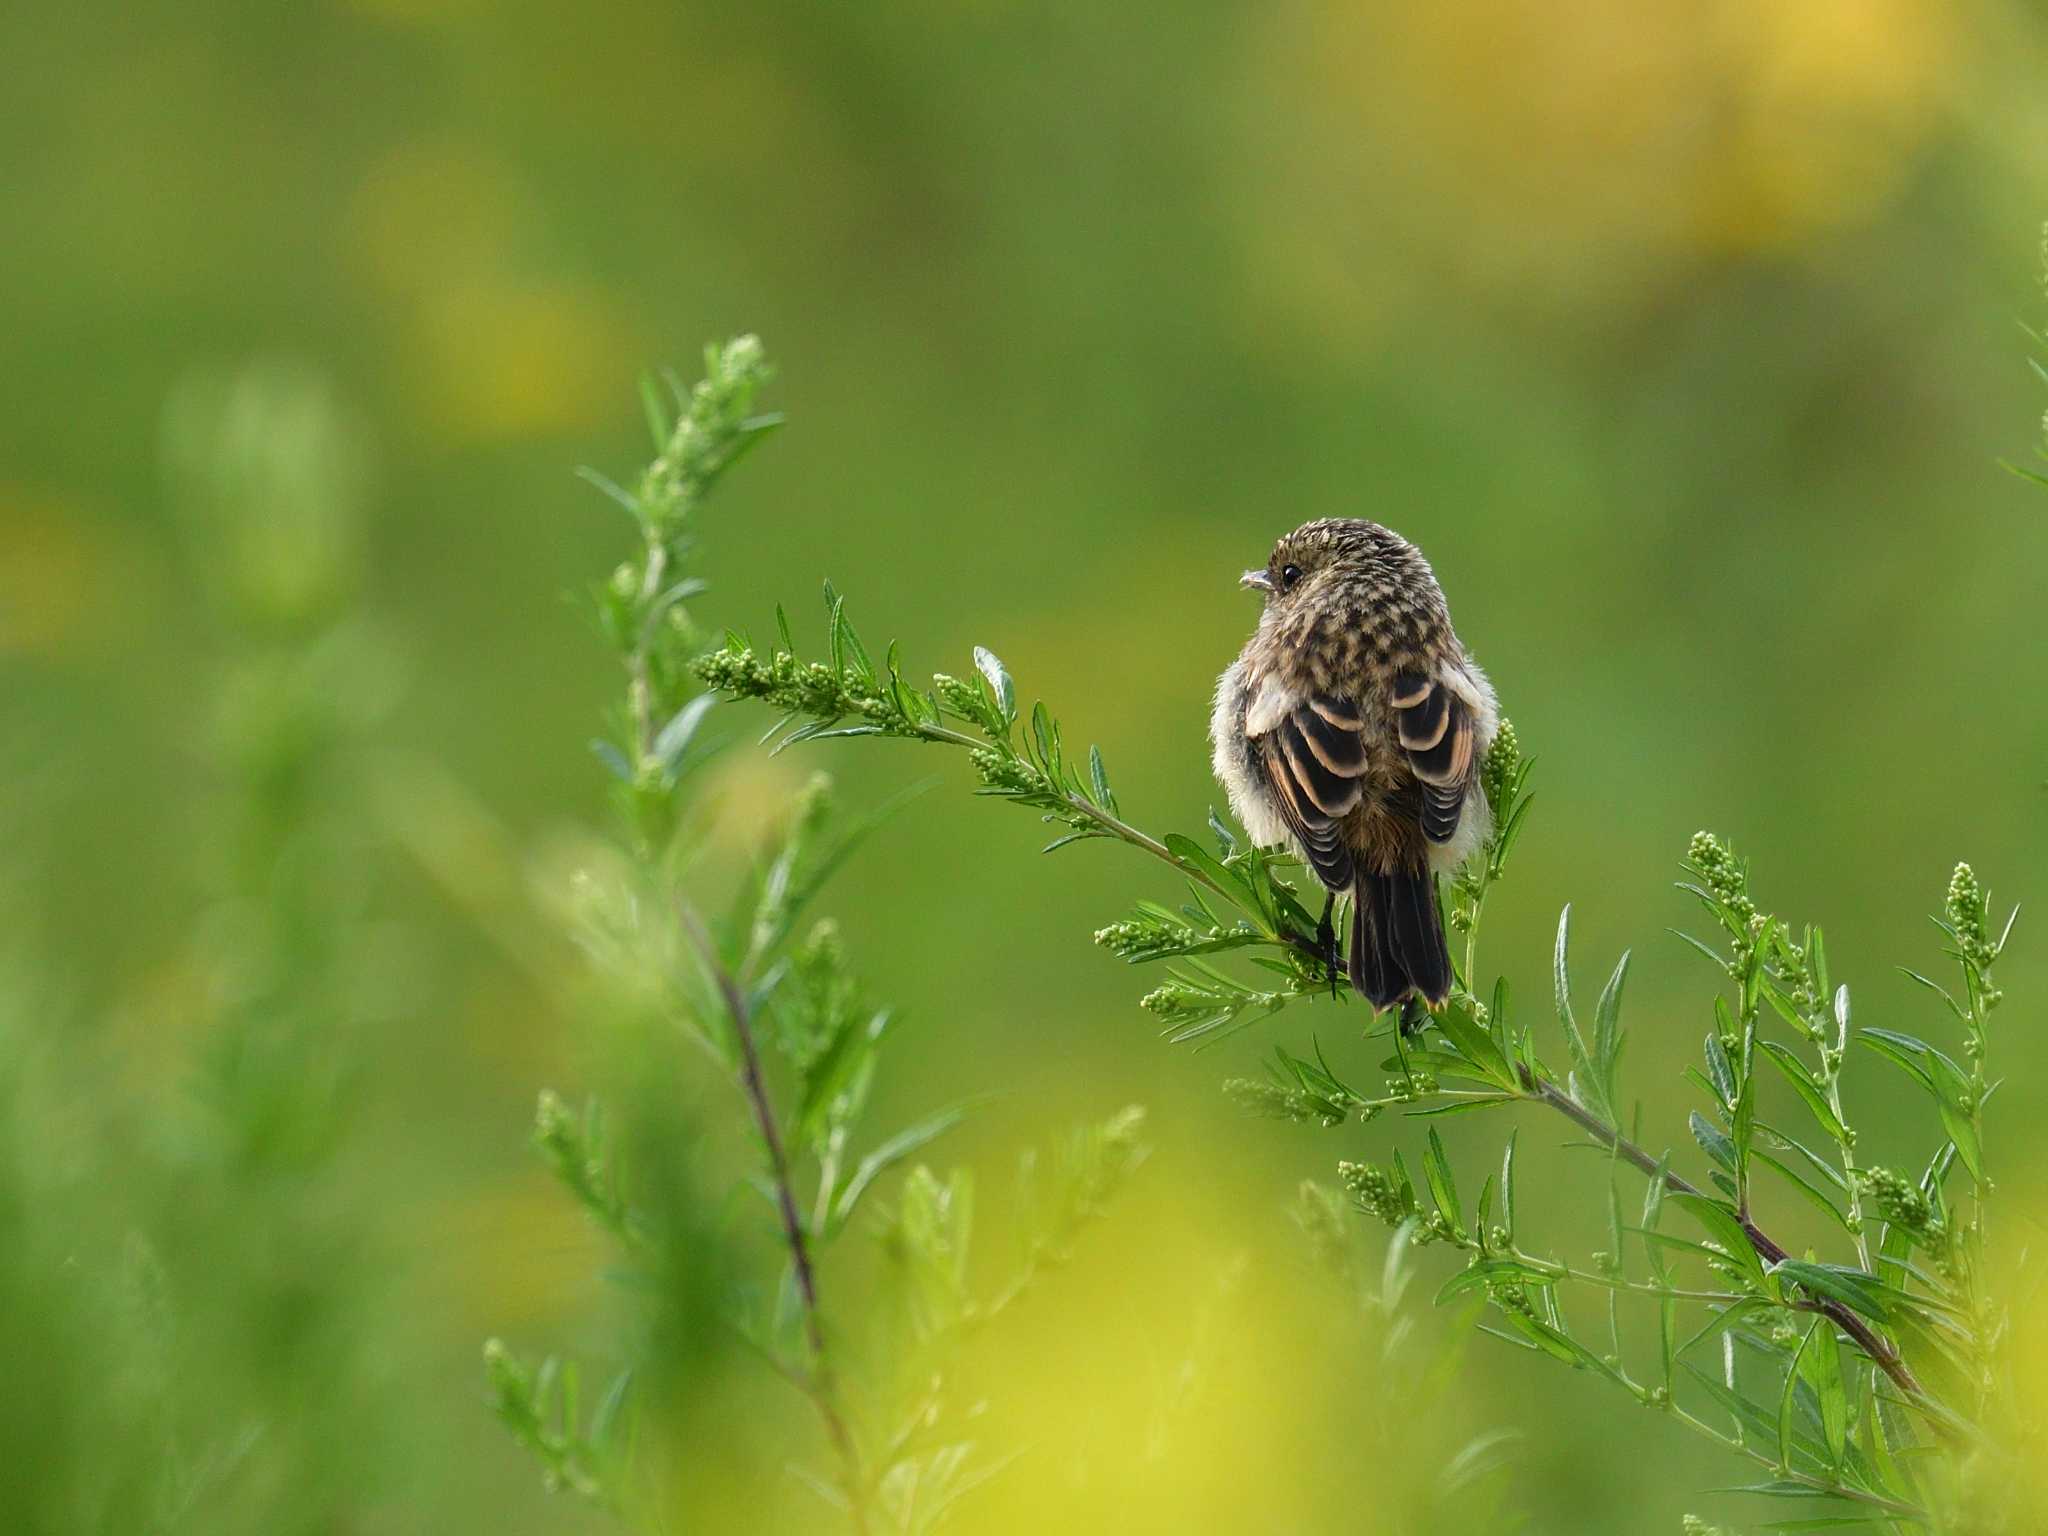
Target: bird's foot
(1414, 1017)
(1326, 939)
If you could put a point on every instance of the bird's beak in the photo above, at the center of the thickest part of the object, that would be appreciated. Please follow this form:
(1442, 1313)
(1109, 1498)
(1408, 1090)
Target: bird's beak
(1258, 581)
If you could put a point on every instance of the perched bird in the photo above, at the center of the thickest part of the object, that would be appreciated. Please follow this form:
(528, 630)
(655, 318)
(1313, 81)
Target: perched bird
(1351, 728)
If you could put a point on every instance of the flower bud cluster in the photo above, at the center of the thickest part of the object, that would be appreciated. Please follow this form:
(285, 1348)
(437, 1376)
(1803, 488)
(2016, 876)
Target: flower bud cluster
(1271, 1101)
(1723, 875)
(1967, 915)
(1901, 1202)
(1497, 768)
(1008, 774)
(1377, 1192)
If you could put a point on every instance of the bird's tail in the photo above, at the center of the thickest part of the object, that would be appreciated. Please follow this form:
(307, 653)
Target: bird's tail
(1397, 939)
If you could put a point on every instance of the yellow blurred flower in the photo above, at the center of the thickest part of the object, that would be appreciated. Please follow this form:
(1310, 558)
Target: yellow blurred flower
(495, 344)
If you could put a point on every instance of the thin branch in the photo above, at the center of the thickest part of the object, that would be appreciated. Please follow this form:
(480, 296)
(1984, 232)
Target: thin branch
(1740, 1446)
(753, 1084)
(1122, 830)
(1881, 1353)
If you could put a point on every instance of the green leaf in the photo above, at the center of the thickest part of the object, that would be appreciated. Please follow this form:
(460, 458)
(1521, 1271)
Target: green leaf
(610, 487)
(1497, 1022)
(1799, 1182)
(1875, 1444)
(1480, 1271)
(1196, 859)
(1712, 1141)
(658, 422)
(1788, 1396)
(1720, 960)
(1934, 1069)
(1226, 840)
(1045, 732)
(1001, 689)
(1507, 1185)
(1726, 1229)
(1937, 989)
(1561, 988)
(1607, 1027)
(1963, 1133)
(1461, 1106)
(1443, 1188)
(1721, 1072)
(891, 1152)
(1905, 1060)
(1803, 1083)
(1557, 1342)
(1820, 1366)
(1820, 1165)
(613, 759)
(826, 1078)
(1853, 1288)
(1100, 780)
(1476, 1046)
(676, 736)
(604, 1422)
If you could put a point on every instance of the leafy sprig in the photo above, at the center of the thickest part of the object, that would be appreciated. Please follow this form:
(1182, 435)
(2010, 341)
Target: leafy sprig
(777, 1008)
(1846, 1379)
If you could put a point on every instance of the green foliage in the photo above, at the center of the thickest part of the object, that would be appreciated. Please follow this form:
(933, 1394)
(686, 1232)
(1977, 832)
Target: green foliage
(159, 1240)
(1854, 1381)
(778, 1010)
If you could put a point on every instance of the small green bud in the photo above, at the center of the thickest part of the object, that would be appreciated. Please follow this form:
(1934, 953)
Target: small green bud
(1269, 1101)
(1726, 878)
(957, 697)
(1901, 1202)
(1497, 768)
(1006, 773)
(1376, 1192)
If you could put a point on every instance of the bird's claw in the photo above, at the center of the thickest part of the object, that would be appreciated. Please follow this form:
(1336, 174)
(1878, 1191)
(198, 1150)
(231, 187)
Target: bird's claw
(1326, 939)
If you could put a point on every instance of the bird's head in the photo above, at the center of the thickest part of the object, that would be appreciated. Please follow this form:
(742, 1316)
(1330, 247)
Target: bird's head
(1329, 558)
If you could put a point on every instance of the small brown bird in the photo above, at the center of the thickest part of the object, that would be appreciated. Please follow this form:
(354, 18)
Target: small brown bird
(1351, 728)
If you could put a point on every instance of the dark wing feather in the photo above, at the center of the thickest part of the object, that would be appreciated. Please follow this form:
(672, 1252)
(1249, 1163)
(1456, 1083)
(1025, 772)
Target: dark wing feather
(1435, 727)
(1315, 761)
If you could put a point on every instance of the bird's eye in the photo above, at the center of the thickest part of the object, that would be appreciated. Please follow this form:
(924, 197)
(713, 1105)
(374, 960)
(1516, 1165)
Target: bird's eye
(1289, 575)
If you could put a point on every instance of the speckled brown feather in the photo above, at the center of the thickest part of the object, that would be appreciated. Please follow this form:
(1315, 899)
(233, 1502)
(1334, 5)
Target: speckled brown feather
(1355, 718)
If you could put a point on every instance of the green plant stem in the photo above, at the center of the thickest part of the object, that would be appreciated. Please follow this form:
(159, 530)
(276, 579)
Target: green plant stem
(818, 1382)
(1881, 1354)
(1742, 1447)
(1834, 1083)
(640, 686)
(1115, 826)
(1636, 1287)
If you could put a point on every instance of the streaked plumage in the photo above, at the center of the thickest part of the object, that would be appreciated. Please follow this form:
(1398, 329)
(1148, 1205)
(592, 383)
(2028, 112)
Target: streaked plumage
(1351, 729)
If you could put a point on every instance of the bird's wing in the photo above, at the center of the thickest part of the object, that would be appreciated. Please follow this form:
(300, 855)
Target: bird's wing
(1313, 751)
(1435, 723)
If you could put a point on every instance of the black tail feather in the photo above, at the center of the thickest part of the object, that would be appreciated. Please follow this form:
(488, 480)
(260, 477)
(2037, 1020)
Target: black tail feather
(1397, 939)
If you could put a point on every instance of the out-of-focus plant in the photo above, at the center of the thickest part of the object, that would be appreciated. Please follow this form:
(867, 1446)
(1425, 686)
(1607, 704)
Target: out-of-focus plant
(1416, 1495)
(192, 1297)
(1869, 1381)
(770, 1004)
(2040, 369)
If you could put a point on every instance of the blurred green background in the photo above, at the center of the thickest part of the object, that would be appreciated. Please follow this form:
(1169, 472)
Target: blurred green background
(1683, 339)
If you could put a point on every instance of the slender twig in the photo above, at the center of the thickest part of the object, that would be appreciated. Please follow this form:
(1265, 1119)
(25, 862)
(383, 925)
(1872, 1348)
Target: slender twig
(638, 666)
(1736, 1443)
(1881, 1353)
(1118, 828)
(819, 1382)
